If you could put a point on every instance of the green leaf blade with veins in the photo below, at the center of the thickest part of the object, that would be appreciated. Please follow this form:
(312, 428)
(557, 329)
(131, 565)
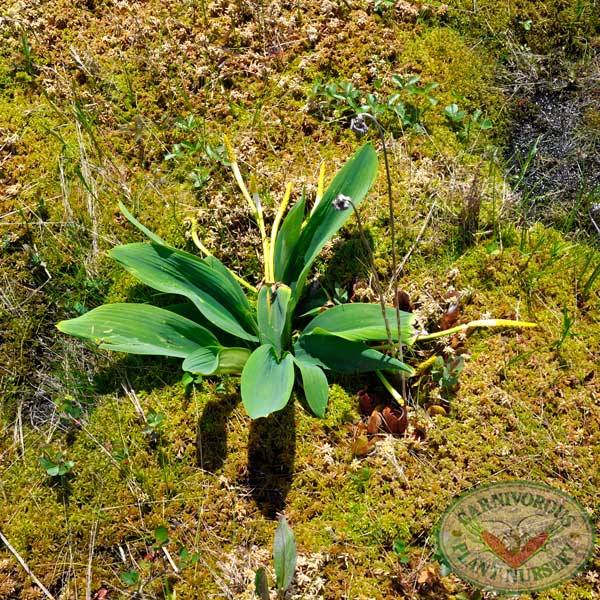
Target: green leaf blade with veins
(272, 314)
(204, 361)
(354, 180)
(266, 382)
(176, 272)
(362, 322)
(216, 361)
(232, 361)
(285, 554)
(287, 238)
(316, 387)
(344, 356)
(140, 329)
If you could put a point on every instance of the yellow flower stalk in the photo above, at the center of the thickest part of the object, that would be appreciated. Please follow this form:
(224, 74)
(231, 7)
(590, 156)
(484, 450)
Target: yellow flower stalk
(255, 208)
(473, 325)
(198, 243)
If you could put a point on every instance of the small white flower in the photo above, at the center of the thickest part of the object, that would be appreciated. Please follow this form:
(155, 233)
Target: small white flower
(342, 202)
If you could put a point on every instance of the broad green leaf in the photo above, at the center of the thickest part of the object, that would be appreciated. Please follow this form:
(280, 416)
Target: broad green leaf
(344, 356)
(354, 180)
(362, 322)
(232, 360)
(285, 554)
(214, 263)
(272, 314)
(204, 360)
(177, 272)
(211, 261)
(266, 383)
(214, 360)
(139, 329)
(142, 228)
(316, 388)
(288, 237)
(188, 310)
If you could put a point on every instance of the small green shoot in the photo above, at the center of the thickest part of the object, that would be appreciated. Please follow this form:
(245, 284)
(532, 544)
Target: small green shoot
(154, 421)
(28, 63)
(400, 549)
(383, 6)
(565, 333)
(69, 409)
(161, 536)
(464, 123)
(445, 372)
(285, 556)
(261, 584)
(187, 559)
(56, 464)
(189, 380)
(130, 578)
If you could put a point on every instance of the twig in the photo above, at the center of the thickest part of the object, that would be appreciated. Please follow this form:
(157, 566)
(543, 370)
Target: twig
(134, 399)
(171, 562)
(88, 580)
(25, 567)
(417, 241)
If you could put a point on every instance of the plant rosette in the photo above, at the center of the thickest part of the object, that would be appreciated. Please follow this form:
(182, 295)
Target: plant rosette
(221, 329)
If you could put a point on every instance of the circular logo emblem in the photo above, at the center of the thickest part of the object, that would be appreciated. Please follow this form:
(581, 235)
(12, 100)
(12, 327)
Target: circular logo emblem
(515, 536)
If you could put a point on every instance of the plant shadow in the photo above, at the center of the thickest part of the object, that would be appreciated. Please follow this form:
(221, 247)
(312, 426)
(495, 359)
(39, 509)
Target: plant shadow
(271, 457)
(211, 436)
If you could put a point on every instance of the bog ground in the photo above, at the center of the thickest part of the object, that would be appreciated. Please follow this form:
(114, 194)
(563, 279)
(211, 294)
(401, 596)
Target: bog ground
(118, 479)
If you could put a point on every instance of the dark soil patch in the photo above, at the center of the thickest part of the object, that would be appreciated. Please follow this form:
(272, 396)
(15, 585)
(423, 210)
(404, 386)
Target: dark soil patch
(554, 151)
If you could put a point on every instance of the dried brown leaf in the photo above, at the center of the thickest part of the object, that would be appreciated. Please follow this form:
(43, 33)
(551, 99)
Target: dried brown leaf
(395, 419)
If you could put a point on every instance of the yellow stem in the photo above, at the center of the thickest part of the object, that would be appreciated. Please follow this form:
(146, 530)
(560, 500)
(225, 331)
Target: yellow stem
(473, 325)
(388, 386)
(197, 240)
(207, 252)
(255, 208)
(276, 222)
(238, 176)
(320, 187)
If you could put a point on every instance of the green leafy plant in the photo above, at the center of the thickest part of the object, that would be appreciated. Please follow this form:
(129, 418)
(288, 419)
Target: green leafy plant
(401, 550)
(419, 100)
(154, 422)
(221, 330)
(445, 372)
(130, 577)
(195, 148)
(463, 123)
(56, 464)
(261, 335)
(565, 333)
(285, 556)
(382, 6)
(400, 110)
